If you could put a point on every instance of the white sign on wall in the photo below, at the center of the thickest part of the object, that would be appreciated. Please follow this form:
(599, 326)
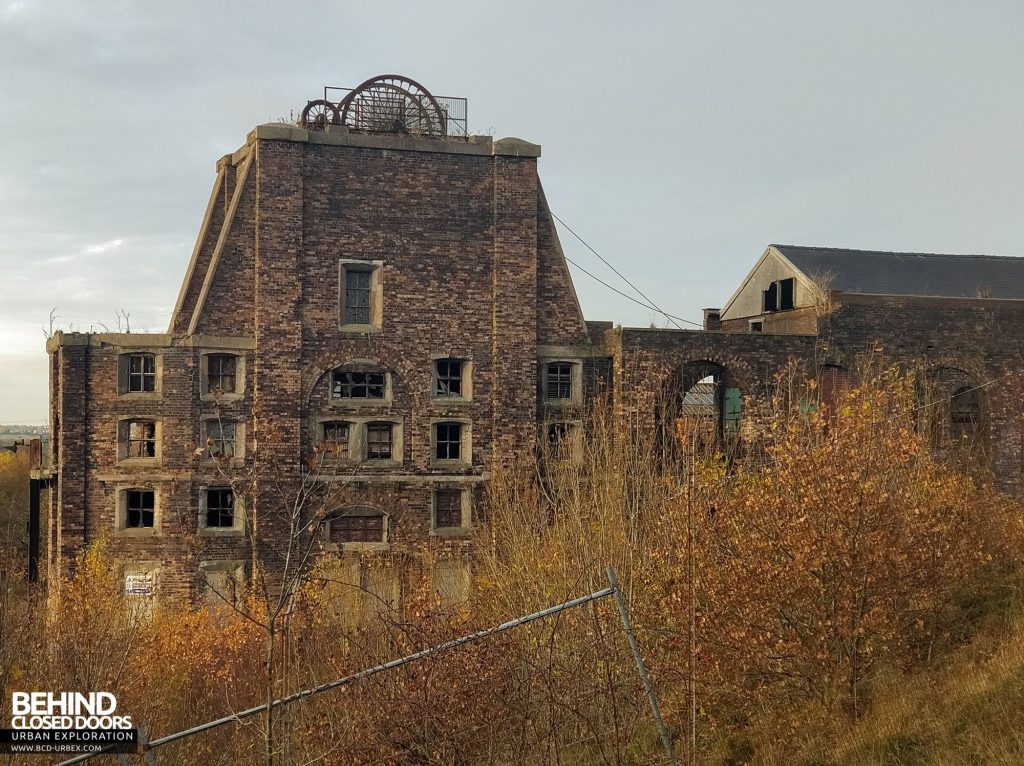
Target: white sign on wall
(138, 585)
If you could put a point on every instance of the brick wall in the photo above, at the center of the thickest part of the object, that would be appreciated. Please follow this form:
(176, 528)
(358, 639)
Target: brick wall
(470, 263)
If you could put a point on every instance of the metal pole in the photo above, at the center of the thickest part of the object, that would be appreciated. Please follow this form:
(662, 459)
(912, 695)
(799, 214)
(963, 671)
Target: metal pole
(428, 652)
(147, 753)
(627, 623)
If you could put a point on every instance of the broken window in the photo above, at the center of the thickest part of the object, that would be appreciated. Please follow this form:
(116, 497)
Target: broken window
(220, 439)
(757, 326)
(358, 286)
(786, 292)
(334, 436)
(220, 373)
(780, 295)
(558, 437)
(378, 441)
(140, 507)
(448, 377)
(357, 529)
(559, 380)
(448, 441)
(447, 508)
(358, 385)
(138, 438)
(220, 508)
(141, 373)
(965, 412)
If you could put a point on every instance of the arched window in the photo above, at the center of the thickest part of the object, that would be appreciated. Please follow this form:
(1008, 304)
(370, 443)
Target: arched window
(701, 412)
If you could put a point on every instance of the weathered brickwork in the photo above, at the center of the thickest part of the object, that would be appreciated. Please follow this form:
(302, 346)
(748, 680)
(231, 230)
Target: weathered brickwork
(456, 257)
(466, 266)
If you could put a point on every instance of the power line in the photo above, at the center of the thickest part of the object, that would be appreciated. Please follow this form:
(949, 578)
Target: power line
(650, 304)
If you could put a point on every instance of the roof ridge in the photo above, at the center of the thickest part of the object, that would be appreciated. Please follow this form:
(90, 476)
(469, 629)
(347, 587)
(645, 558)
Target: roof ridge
(894, 252)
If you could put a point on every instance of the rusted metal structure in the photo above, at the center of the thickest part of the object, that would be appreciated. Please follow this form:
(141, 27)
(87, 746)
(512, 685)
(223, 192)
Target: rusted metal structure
(387, 103)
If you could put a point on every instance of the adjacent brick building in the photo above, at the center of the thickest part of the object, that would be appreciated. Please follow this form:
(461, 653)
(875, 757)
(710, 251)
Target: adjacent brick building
(391, 302)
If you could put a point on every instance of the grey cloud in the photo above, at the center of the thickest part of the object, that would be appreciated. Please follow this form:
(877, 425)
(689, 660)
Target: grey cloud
(679, 139)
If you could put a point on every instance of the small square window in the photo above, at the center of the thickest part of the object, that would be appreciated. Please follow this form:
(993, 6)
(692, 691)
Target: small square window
(140, 509)
(357, 529)
(220, 373)
(559, 380)
(220, 508)
(138, 439)
(141, 373)
(220, 439)
(358, 385)
(334, 438)
(448, 377)
(448, 441)
(378, 441)
(447, 508)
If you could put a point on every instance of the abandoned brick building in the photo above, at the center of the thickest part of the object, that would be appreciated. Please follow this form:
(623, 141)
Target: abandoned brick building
(380, 291)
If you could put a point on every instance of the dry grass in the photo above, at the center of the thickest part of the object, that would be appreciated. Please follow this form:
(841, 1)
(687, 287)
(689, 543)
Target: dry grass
(970, 710)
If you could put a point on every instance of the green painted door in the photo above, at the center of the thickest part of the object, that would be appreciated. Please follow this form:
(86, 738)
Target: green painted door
(732, 411)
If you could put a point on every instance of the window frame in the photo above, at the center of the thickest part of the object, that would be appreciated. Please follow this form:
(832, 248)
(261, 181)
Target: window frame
(575, 397)
(238, 442)
(205, 393)
(366, 441)
(121, 511)
(238, 525)
(773, 297)
(357, 512)
(124, 373)
(465, 511)
(360, 366)
(466, 378)
(465, 457)
(376, 294)
(333, 456)
(124, 441)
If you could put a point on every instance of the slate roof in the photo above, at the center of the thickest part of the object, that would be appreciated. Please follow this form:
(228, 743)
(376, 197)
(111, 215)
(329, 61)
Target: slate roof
(872, 272)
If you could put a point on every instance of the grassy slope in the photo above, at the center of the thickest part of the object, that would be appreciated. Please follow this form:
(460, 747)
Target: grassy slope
(970, 711)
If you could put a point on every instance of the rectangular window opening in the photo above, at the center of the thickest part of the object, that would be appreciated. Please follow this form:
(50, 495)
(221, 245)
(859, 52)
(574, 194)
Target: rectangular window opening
(449, 377)
(786, 293)
(220, 508)
(357, 529)
(141, 439)
(141, 373)
(220, 373)
(559, 380)
(448, 508)
(358, 385)
(448, 441)
(357, 295)
(378, 441)
(220, 439)
(335, 438)
(139, 509)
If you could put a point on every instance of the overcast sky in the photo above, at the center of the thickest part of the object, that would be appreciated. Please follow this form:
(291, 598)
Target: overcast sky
(679, 139)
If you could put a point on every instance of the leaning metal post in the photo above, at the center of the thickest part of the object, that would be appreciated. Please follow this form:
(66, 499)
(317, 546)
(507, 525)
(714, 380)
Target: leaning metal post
(148, 746)
(627, 623)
